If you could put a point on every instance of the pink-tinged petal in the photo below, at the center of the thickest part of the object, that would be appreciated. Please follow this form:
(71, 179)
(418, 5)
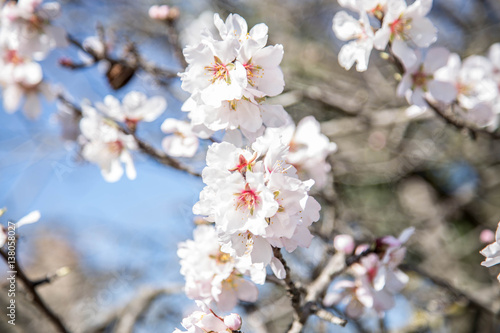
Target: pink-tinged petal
(356, 51)
(354, 309)
(419, 8)
(261, 251)
(406, 234)
(405, 84)
(436, 58)
(278, 268)
(497, 233)
(442, 91)
(407, 56)
(126, 158)
(246, 290)
(113, 173)
(153, 108)
(32, 107)
(494, 54)
(381, 38)
(423, 32)
(346, 27)
(344, 243)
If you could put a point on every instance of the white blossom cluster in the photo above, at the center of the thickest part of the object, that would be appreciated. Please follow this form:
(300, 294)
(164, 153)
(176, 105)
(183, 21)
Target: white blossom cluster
(253, 195)
(429, 74)
(376, 275)
(26, 36)
(206, 320)
(104, 141)
(230, 73)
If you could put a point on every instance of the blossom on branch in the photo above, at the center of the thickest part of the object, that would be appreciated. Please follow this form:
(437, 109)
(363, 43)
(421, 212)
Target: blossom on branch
(106, 145)
(492, 252)
(213, 276)
(207, 321)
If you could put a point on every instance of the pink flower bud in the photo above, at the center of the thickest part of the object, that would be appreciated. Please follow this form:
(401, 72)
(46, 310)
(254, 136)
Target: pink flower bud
(487, 236)
(233, 321)
(159, 12)
(344, 243)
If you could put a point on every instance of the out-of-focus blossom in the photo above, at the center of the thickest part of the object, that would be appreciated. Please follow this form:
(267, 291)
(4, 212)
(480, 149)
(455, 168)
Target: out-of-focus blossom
(182, 142)
(26, 28)
(487, 236)
(159, 12)
(492, 252)
(344, 243)
(207, 321)
(135, 107)
(376, 277)
(105, 145)
(347, 28)
(418, 82)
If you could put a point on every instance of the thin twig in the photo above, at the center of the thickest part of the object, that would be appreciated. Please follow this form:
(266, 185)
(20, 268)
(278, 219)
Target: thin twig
(31, 287)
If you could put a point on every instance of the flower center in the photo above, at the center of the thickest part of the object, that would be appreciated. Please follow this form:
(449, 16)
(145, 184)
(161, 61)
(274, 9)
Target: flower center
(253, 71)
(248, 198)
(420, 79)
(399, 26)
(219, 71)
(115, 147)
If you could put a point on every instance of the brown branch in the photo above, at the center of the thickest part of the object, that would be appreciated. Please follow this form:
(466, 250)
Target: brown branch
(31, 288)
(144, 147)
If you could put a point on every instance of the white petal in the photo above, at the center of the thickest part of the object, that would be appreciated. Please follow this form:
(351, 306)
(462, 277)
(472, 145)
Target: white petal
(278, 268)
(32, 217)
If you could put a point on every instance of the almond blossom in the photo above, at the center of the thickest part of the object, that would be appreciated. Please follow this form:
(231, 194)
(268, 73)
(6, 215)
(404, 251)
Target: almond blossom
(182, 142)
(26, 28)
(347, 28)
(22, 79)
(492, 252)
(207, 321)
(418, 82)
(107, 146)
(476, 89)
(376, 277)
(308, 150)
(403, 24)
(229, 74)
(212, 275)
(134, 107)
(256, 201)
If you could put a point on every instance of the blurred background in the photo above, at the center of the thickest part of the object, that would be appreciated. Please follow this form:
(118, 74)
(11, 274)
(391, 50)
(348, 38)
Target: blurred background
(390, 172)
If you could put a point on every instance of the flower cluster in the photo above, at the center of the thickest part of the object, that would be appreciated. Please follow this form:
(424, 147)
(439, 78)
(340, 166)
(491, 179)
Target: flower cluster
(230, 74)
(376, 276)
(257, 202)
(26, 36)
(308, 148)
(207, 321)
(429, 75)
(212, 275)
(108, 144)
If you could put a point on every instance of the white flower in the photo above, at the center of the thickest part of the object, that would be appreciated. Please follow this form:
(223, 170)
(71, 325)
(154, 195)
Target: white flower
(207, 321)
(418, 82)
(309, 148)
(106, 145)
(492, 252)
(183, 142)
(212, 275)
(347, 28)
(25, 27)
(32, 217)
(256, 202)
(22, 79)
(403, 24)
(135, 107)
